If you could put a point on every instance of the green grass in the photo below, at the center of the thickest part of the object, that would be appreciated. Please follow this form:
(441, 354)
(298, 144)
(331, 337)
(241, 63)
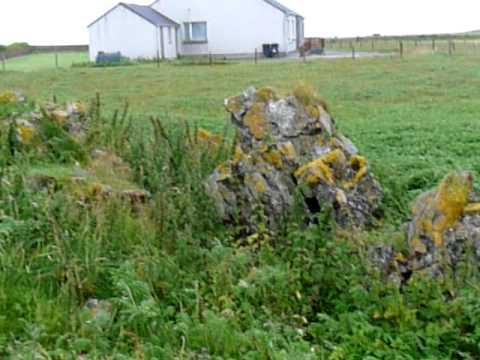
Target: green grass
(45, 61)
(407, 116)
(180, 284)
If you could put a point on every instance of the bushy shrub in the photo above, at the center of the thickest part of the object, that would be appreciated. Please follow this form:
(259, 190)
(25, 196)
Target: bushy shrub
(18, 46)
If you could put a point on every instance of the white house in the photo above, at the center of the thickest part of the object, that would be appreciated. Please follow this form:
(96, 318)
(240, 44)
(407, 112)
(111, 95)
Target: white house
(169, 28)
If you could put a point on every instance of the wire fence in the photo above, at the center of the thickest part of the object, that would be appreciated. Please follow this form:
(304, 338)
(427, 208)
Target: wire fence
(407, 46)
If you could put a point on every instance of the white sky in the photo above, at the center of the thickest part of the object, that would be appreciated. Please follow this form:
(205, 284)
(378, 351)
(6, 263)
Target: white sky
(56, 22)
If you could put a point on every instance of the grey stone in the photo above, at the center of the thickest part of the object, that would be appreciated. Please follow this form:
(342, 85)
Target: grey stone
(287, 149)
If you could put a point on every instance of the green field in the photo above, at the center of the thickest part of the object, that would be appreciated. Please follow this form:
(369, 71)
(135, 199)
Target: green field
(45, 61)
(407, 115)
(179, 284)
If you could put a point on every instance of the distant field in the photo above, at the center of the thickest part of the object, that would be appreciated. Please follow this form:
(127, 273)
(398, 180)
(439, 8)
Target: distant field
(418, 117)
(45, 61)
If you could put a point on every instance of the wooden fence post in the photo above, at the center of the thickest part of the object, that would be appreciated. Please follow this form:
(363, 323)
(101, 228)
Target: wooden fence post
(3, 63)
(56, 57)
(256, 56)
(210, 59)
(433, 45)
(353, 51)
(401, 49)
(158, 58)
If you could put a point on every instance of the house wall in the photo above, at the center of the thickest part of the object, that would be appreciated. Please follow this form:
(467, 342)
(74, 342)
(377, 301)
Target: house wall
(234, 27)
(124, 31)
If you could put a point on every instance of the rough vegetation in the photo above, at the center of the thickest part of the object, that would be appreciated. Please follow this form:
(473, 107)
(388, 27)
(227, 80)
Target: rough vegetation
(94, 275)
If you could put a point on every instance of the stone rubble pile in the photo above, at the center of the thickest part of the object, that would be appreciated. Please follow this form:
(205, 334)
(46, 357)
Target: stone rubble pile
(72, 117)
(289, 151)
(97, 174)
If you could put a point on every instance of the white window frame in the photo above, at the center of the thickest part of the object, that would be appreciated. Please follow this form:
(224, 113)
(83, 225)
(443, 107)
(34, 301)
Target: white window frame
(188, 32)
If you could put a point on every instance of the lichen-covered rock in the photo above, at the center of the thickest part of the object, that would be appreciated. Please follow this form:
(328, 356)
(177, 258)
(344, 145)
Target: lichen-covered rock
(29, 126)
(444, 222)
(73, 117)
(11, 97)
(444, 231)
(288, 147)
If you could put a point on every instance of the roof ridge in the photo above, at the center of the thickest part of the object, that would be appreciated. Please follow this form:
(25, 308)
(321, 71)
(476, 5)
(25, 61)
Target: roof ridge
(135, 8)
(276, 4)
(159, 13)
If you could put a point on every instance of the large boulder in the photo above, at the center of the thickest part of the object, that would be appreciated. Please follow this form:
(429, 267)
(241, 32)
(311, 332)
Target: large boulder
(290, 152)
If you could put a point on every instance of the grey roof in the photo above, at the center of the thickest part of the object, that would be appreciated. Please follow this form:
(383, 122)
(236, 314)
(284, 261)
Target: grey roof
(145, 12)
(151, 15)
(282, 8)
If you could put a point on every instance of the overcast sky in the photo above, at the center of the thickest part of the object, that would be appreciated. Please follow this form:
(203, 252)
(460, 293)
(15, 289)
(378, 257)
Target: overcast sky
(55, 22)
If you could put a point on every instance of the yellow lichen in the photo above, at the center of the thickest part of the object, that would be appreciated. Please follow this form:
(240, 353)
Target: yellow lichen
(206, 138)
(313, 111)
(321, 169)
(287, 150)
(399, 257)
(472, 208)
(436, 211)
(203, 135)
(315, 172)
(223, 172)
(451, 200)
(335, 157)
(273, 157)
(233, 104)
(239, 155)
(359, 165)
(256, 183)
(255, 121)
(260, 185)
(7, 97)
(80, 107)
(305, 94)
(265, 94)
(263, 148)
(26, 134)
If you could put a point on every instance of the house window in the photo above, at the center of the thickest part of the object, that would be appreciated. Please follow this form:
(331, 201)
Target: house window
(195, 31)
(169, 35)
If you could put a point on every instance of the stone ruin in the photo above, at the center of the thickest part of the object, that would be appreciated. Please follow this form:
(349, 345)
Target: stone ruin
(443, 233)
(96, 175)
(72, 117)
(290, 152)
